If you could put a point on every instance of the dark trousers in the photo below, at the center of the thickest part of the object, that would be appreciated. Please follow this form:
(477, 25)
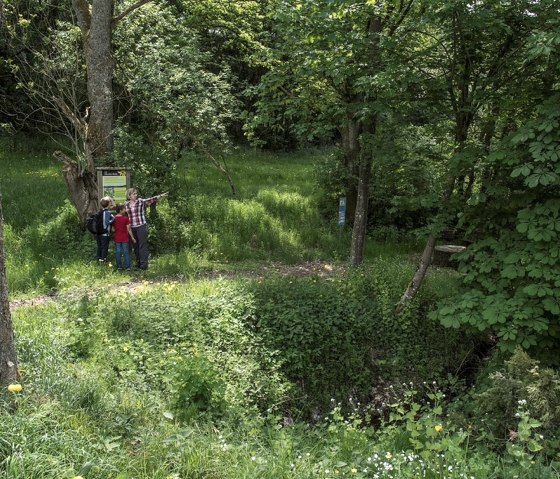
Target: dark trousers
(141, 246)
(102, 246)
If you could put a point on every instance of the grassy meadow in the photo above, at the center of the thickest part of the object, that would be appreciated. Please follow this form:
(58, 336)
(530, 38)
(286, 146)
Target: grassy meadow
(272, 219)
(207, 367)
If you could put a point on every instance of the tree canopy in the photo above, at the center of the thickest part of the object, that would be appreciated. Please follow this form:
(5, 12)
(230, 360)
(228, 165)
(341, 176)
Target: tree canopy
(453, 106)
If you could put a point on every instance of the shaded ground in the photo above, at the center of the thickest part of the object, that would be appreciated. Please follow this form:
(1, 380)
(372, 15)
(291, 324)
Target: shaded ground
(309, 268)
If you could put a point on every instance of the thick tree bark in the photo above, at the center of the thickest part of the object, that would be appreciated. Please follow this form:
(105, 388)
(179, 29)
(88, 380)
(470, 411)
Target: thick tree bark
(96, 127)
(95, 22)
(351, 147)
(360, 219)
(100, 67)
(81, 184)
(8, 359)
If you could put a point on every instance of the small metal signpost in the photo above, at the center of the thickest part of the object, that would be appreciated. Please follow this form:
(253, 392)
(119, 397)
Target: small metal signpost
(341, 215)
(341, 210)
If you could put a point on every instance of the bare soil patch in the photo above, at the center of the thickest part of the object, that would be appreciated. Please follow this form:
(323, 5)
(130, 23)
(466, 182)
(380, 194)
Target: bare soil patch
(321, 269)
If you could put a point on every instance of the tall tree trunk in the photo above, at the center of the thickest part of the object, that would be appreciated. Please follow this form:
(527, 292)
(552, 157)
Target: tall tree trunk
(99, 61)
(351, 147)
(368, 128)
(360, 219)
(96, 126)
(8, 359)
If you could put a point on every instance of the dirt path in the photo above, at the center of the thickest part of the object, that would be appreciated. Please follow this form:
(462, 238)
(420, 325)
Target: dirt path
(321, 269)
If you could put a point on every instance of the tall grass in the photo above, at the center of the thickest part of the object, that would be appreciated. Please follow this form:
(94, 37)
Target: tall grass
(102, 373)
(274, 217)
(31, 182)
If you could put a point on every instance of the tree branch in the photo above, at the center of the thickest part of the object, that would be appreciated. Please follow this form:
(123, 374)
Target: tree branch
(224, 170)
(63, 158)
(126, 11)
(79, 125)
(403, 12)
(83, 11)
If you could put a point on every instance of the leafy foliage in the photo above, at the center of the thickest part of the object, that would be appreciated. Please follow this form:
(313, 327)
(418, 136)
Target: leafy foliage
(512, 276)
(108, 412)
(177, 102)
(515, 407)
(342, 336)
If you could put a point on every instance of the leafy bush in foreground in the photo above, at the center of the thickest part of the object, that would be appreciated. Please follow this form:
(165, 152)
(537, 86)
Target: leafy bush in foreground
(340, 338)
(100, 374)
(514, 404)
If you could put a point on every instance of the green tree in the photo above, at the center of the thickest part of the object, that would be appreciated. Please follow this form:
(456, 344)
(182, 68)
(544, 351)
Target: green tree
(328, 74)
(174, 102)
(512, 271)
(50, 70)
(473, 54)
(233, 34)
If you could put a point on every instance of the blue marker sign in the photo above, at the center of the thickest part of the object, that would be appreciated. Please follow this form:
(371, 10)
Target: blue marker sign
(341, 210)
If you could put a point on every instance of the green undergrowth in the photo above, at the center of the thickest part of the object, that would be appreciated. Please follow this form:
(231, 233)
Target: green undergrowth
(269, 378)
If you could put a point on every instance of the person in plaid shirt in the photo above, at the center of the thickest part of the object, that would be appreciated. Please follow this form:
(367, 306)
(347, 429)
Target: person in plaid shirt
(136, 211)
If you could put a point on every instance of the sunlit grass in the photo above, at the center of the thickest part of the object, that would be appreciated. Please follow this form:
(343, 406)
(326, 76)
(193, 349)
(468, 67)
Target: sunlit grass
(274, 218)
(31, 184)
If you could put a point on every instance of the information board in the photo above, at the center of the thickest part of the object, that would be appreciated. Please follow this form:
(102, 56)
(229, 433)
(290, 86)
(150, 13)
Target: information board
(113, 182)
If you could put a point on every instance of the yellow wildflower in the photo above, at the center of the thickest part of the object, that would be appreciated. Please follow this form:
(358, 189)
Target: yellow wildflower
(389, 455)
(353, 470)
(14, 388)
(438, 427)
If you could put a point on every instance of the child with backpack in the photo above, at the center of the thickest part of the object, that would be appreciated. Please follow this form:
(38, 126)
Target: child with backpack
(121, 232)
(104, 219)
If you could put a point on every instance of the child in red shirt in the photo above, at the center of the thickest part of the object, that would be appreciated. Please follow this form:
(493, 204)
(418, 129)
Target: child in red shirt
(121, 232)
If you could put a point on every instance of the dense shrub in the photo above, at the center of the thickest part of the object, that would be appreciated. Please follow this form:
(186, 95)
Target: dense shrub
(512, 395)
(340, 338)
(331, 338)
(194, 346)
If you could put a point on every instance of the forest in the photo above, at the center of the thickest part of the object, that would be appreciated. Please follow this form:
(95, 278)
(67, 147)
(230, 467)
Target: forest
(356, 271)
